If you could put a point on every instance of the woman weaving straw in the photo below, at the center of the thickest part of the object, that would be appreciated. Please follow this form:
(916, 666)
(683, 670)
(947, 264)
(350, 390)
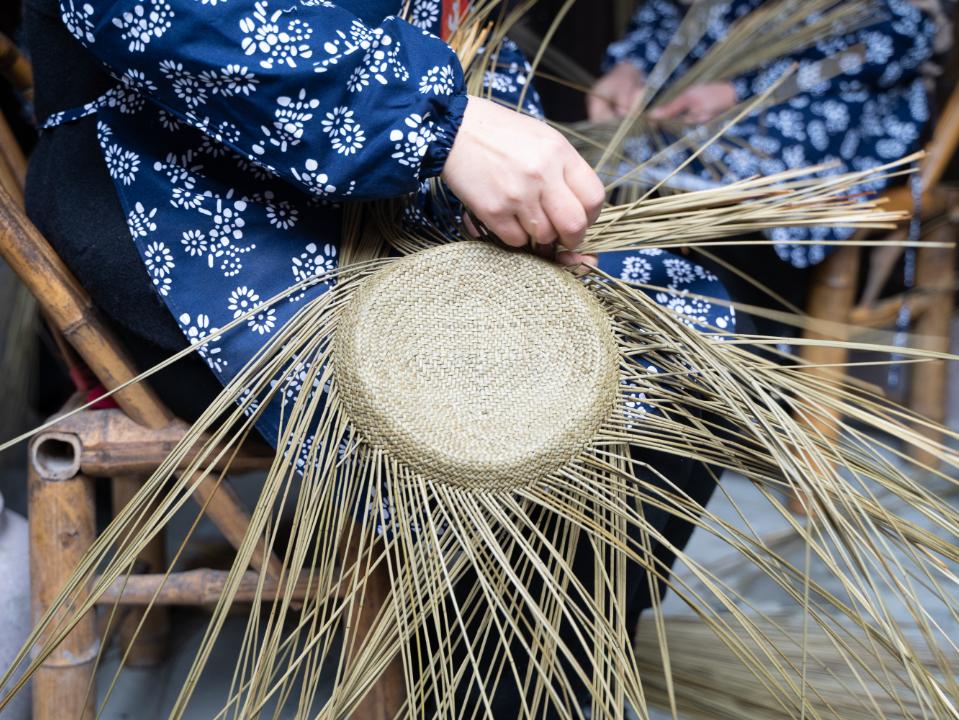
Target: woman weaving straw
(213, 174)
(203, 158)
(875, 109)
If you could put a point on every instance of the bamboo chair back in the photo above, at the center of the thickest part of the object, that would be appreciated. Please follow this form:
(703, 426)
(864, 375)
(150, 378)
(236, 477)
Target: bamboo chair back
(63, 301)
(834, 295)
(68, 307)
(15, 67)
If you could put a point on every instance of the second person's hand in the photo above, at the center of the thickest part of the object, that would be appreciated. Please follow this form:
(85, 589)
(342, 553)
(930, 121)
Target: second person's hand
(698, 104)
(616, 94)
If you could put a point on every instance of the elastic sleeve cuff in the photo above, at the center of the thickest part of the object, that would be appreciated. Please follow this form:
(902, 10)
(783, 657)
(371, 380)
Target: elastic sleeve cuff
(446, 126)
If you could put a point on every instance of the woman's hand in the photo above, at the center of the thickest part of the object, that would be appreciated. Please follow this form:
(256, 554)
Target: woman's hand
(616, 93)
(522, 179)
(698, 104)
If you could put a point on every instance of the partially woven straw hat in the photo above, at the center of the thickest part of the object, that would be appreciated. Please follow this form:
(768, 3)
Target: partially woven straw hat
(473, 387)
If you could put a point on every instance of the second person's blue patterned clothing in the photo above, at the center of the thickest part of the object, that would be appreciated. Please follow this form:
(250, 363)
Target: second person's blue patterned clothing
(237, 130)
(875, 111)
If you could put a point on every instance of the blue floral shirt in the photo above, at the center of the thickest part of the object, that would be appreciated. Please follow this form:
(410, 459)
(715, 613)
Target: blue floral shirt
(238, 129)
(875, 111)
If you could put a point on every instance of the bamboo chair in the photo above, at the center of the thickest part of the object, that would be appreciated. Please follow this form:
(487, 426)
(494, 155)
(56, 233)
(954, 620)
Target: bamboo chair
(834, 295)
(123, 445)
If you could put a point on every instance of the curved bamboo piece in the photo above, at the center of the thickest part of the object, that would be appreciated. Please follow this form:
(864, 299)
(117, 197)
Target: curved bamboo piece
(107, 443)
(71, 311)
(16, 68)
(198, 587)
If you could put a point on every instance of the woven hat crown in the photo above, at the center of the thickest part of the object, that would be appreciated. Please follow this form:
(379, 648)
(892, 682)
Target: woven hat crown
(475, 366)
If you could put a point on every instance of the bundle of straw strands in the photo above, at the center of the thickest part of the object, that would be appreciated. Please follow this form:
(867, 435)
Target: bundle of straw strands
(472, 419)
(708, 679)
(772, 31)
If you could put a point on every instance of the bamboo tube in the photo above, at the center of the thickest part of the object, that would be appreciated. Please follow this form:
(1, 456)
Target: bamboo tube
(942, 146)
(224, 509)
(62, 528)
(72, 312)
(196, 587)
(8, 178)
(14, 162)
(387, 695)
(833, 298)
(147, 644)
(109, 444)
(935, 273)
(884, 313)
(16, 68)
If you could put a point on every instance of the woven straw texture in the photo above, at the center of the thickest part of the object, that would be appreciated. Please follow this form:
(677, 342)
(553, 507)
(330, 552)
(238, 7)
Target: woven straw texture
(475, 366)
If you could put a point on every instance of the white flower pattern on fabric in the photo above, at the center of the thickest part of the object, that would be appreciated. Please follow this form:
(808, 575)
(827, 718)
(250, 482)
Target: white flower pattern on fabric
(230, 80)
(294, 380)
(225, 234)
(146, 21)
(244, 300)
(381, 56)
(194, 243)
(281, 214)
(315, 181)
(140, 221)
(636, 269)
(291, 117)
(438, 81)
(281, 43)
(158, 259)
(346, 135)
(78, 21)
(197, 329)
(411, 144)
(313, 263)
(122, 165)
(425, 14)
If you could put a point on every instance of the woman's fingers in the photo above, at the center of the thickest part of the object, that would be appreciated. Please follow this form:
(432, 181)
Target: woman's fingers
(509, 230)
(628, 100)
(586, 186)
(599, 108)
(521, 179)
(673, 108)
(538, 226)
(566, 213)
(573, 259)
(615, 94)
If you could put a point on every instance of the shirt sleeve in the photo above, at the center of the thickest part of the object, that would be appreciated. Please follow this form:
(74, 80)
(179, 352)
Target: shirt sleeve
(650, 31)
(894, 51)
(306, 90)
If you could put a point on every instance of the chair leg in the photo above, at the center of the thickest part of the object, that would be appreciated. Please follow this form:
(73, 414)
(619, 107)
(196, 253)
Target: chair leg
(935, 272)
(832, 296)
(147, 648)
(62, 528)
(225, 510)
(386, 697)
